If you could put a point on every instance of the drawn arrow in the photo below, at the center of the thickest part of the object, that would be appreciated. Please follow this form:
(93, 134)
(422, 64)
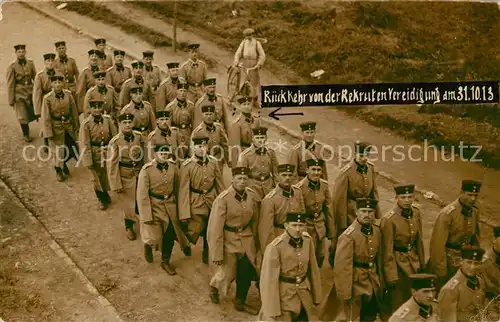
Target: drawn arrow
(274, 115)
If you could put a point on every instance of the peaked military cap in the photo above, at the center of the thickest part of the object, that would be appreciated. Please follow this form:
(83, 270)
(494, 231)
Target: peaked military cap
(362, 148)
(96, 103)
(182, 85)
(119, 53)
(100, 41)
(208, 108)
(172, 65)
(136, 89)
(248, 32)
(315, 162)
(471, 186)
(148, 54)
(306, 126)
(126, 117)
(402, 189)
(60, 43)
(100, 73)
(473, 253)
(17, 47)
(259, 130)
(419, 281)
(94, 52)
(286, 168)
(245, 99)
(161, 148)
(199, 139)
(209, 81)
(240, 170)
(366, 203)
(160, 114)
(49, 56)
(297, 217)
(137, 64)
(57, 77)
(193, 46)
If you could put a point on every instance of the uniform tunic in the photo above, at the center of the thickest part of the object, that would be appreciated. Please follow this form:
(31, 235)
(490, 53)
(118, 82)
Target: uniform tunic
(94, 138)
(273, 211)
(410, 311)
(194, 73)
(240, 136)
(490, 272)
(452, 231)
(299, 154)
(350, 185)
(263, 165)
(41, 87)
(251, 53)
(67, 66)
(153, 76)
(85, 82)
(217, 141)
(181, 117)
(147, 91)
(105, 62)
(232, 228)
(282, 263)
(222, 113)
(157, 203)
(116, 76)
(158, 136)
(166, 93)
(124, 163)
(106, 94)
(144, 117)
(20, 79)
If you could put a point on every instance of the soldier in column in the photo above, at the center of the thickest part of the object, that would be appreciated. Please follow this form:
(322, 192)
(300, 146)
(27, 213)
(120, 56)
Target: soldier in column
(125, 159)
(357, 179)
(95, 133)
(105, 61)
(67, 66)
(284, 198)
(240, 131)
(262, 162)
(318, 203)
(232, 230)
(103, 92)
(137, 79)
(200, 183)
(20, 76)
(43, 86)
(194, 71)
(462, 298)
(86, 79)
(167, 91)
(60, 124)
(163, 134)
(118, 73)
(403, 254)
(222, 113)
(218, 141)
(290, 281)
(157, 190)
(307, 148)
(181, 116)
(422, 304)
(358, 279)
(456, 227)
(152, 75)
(144, 116)
(490, 272)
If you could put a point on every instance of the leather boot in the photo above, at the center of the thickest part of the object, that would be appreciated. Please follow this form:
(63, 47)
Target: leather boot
(187, 251)
(100, 198)
(168, 268)
(60, 174)
(148, 253)
(129, 229)
(214, 295)
(26, 132)
(65, 169)
(45, 148)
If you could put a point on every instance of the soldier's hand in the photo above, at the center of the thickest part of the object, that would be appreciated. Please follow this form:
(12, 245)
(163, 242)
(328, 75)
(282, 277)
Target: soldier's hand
(218, 263)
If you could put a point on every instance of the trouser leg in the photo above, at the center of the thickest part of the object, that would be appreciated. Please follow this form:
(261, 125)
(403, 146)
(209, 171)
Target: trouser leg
(302, 316)
(168, 240)
(205, 241)
(369, 308)
(245, 274)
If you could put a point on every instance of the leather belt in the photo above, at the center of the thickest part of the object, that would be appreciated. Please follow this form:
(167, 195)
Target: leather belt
(62, 118)
(160, 197)
(292, 280)
(261, 178)
(140, 129)
(455, 246)
(99, 143)
(403, 249)
(181, 126)
(363, 265)
(203, 192)
(132, 164)
(237, 229)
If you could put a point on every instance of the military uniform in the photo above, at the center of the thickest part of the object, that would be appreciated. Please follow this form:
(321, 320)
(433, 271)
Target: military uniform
(318, 203)
(42, 87)
(231, 232)
(221, 108)
(167, 91)
(104, 61)
(462, 297)
(169, 137)
(133, 82)
(124, 163)
(290, 281)
(456, 227)
(152, 74)
(144, 116)
(67, 66)
(118, 74)
(20, 76)
(200, 183)
(85, 82)
(240, 132)
(490, 272)
(402, 237)
(94, 136)
(194, 72)
(105, 93)
(275, 205)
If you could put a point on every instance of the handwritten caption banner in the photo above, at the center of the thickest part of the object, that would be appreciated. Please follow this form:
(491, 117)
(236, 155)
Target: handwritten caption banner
(380, 94)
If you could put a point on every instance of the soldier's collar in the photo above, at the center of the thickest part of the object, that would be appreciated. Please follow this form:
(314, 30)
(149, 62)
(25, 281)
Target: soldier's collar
(181, 103)
(21, 61)
(247, 116)
(472, 281)
(164, 133)
(138, 105)
(148, 68)
(425, 311)
(138, 80)
(63, 59)
(285, 192)
(202, 160)
(94, 68)
(51, 72)
(210, 127)
(295, 242)
(129, 137)
(362, 169)
(119, 67)
(174, 80)
(466, 210)
(309, 145)
(406, 212)
(260, 151)
(161, 166)
(59, 95)
(366, 229)
(102, 89)
(314, 185)
(212, 97)
(240, 196)
(98, 119)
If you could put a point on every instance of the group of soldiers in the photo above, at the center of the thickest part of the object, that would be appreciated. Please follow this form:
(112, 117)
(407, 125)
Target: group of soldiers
(162, 145)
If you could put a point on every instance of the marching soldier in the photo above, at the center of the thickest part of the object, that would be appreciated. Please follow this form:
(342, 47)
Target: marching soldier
(462, 297)
(212, 98)
(137, 79)
(422, 304)
(194, 71)
(20, 76)
(157, 203)
(152, 75)
(167, 91)
(240, 130)
(163, 135)
(95, 133)
(86, 79)
(357, 179)
(318, 203)
(232, 230)
(124, 162)
(262, 162)
(490, 272)
(60, 124)
(307, 148)
(290, 281)
(456, 227)
(66, 66)
(144, 117)
(402, 237)
(118, 74)
(181, 116)
(284, 198)
(105, 61)
(357, 268)
(217, 144)
(103, 92)
(200, 183)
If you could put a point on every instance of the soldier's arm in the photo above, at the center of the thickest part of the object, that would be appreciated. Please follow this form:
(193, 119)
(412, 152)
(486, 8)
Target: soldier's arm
(152, 120)
(143, 201)
(161, 97)
(447, 304)
(215, 229)
(124, 97)
(33, 70)
(184, 196)
(85, 108)
(204, 72)
(255, 220)
(219, 180)
(234, 143)
(224, 145)
(150, 97)
(343, 269)
(294, 158)
(238, 53)
(73, 110)
(331, 230)
(274, 168)
(109, 78)
(113, 167)
(182, 71)
(226, 114)
(476, 238)
(46, 119)
(242, 160)
(438, 245)
(75, 69)
(266, 223)
(11, 85)
(375, 195)
(269, 282)
(84, 145)
(339, 200)
(420, 242)
(37, 95)
(262, 55)
(116, 103)
(314, 275)
(112, 128)
(81, 90)
(390, 268)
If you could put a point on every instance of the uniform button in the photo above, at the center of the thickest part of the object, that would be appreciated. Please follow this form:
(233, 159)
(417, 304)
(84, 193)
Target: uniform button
(370, 241)
(371, 248)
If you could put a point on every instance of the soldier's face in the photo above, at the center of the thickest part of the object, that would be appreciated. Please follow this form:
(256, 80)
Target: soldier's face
(57, 85)
(314, 172)
(295, 229)
(136, 97)
(93, 59)
(137, 71)
(162, 123)
(21, 53)
(362, 158)
(470, 267)
(210, 89)
(96, 110)
(119, 59)
(49, 63)
(209, 117)
(181, 93)
(162, 156)
(61, 51)
(425, 295)
(148, 60)
(405, 200)
(365, 215)
(100, 81)
(285, 179)
(308, 135)
(246, 107)
(240, 182)
(469, 198)
(259, 140)
(194, 54)
(200, 150)
(126, 126)
(174, 72)
(101, 47)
